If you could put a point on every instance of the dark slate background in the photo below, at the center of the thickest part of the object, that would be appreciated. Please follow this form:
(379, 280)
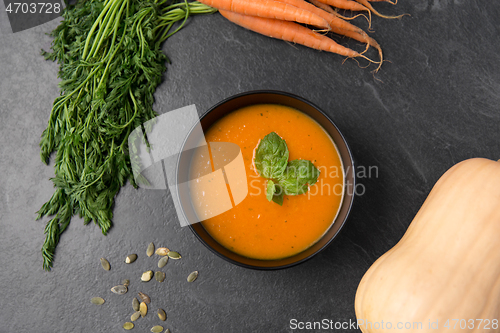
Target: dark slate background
(433, 104)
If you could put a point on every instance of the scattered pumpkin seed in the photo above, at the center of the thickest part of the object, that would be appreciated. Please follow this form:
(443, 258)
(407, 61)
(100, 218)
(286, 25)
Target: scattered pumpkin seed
(157, 329)
(105, 264)
(162, 315)
(97, 300)
(150, 250)
(147, 276)
(135, 316)
(131, 258)
(119, 289)
(167, 331)
(162, 262)
(143, 308)
(135, 304)
(191, 277)
(174, 255)
(145, 298)
(160, 276)
(162, 251)
(128, 326)
(126, 282)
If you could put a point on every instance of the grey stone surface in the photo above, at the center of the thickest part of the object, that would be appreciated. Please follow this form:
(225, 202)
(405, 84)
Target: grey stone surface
(434, 104)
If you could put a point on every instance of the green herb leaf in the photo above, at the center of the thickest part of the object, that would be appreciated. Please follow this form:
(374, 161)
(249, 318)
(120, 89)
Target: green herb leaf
(278, 195)
(271, 156)
(291, 178)
(270, 190)
(298, 174)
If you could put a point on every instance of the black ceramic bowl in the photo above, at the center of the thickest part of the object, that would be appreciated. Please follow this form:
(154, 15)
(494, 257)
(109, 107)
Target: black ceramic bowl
(275, 97)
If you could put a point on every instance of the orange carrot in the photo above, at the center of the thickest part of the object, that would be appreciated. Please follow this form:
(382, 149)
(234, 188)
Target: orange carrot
(349, 5)
(338, 25)
(389, 1)
(329, 9)
(332, 19)
(370, 7)
(291, 32)
(346, 4)
(269, 9)
(324, 6)
(363, 39)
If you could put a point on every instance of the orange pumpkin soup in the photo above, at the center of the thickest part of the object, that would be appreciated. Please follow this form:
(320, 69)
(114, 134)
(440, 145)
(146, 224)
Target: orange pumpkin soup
(260, 229)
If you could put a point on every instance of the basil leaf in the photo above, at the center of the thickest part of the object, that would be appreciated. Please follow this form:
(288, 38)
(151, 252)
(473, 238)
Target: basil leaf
(270, 190)
(271, 156)
(278, 194)
(298, 174)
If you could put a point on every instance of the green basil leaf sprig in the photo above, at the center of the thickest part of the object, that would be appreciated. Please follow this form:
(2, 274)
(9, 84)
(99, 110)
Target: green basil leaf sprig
(271, 188)
(298, 174)
(290, 178)
(278, 194)
(272, 156)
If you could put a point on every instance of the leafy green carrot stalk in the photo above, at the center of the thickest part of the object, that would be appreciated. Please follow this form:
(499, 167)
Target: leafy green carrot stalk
(110, 63)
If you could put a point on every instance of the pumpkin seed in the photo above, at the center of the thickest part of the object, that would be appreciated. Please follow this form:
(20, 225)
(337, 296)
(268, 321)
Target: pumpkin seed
(120, 289)
(162, 262)
(174, 255)
(143, 308)
(145, 298)
(135, 316)
(126, 282)
(160, 276)
(157, 329)
(167, 331)
(97, 300)
(128, 326)
(131, 258)
(162, 315)
(135, 304)
(147, 276)
(150, 250)
(162, 251)
(191, 277)
(105, 264)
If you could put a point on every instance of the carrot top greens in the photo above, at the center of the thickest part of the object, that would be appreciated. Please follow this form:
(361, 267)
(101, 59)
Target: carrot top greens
(110, 63)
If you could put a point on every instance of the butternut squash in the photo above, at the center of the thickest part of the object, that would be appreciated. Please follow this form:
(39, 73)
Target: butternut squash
(446, 268)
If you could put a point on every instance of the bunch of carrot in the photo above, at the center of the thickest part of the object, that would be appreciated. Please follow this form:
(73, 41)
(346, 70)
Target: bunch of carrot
(280, 19)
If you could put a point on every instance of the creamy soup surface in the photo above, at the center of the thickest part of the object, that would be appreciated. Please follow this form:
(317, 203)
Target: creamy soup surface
(257, 228)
